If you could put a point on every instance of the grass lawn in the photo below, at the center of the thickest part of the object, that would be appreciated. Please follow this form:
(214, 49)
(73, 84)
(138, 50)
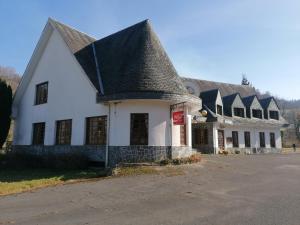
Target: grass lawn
(15, 181)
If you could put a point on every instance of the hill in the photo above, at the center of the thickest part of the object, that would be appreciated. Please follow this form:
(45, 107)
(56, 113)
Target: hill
(10, 75)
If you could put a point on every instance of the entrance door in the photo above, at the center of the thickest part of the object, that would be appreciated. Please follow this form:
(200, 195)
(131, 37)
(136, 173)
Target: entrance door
(221, 143)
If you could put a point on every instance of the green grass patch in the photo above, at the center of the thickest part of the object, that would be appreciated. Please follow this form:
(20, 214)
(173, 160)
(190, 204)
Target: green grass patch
(16, 181)
(135, 170)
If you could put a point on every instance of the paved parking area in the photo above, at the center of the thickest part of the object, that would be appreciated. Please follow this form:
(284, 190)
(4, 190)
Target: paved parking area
(256, 189)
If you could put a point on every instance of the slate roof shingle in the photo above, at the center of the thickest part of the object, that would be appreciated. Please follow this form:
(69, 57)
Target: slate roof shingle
(130, 61)
(224, 88)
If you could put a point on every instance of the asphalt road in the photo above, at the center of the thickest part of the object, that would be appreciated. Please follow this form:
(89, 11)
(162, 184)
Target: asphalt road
(257, 189)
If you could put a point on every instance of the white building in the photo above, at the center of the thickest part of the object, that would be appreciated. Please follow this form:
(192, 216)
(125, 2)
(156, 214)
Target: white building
(115, 99)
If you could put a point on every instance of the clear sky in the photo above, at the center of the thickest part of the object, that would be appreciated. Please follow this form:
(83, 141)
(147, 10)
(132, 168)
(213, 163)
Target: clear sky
(212, 40)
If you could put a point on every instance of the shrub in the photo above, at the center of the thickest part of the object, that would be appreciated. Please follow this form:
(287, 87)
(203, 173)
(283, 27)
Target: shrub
(195, 158)
(176, 161)
(237, 151)
(164, 162)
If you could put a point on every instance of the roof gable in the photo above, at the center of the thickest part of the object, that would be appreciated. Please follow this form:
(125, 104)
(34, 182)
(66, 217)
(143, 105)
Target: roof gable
(75, 39)
(265, 102)
(209, 96)
(131, 60)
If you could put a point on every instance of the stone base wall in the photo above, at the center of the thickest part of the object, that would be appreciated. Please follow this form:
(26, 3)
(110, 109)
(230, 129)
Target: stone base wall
(116, 154)
(95, 152)
(253, 150)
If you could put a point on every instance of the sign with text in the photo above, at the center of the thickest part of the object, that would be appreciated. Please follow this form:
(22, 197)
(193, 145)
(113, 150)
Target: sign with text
(178, 118)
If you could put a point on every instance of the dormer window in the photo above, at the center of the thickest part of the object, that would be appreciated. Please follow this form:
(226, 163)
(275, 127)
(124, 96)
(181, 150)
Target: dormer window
(41, 93)
(257, 113)
(274, 115)
(240, 112)
(219, 110)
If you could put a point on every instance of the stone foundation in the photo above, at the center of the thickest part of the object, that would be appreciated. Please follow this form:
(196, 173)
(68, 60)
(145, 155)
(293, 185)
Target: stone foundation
(253, 150)
(116, 154)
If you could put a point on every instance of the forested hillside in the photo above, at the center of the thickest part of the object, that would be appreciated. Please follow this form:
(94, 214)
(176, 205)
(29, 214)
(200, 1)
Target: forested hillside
(10, 76)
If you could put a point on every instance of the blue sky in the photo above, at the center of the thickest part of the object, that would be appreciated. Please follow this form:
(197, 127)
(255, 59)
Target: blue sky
(212, 40)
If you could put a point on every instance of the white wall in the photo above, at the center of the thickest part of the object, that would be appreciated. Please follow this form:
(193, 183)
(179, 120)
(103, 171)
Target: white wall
(254, 133)
(159, 121)
(70, 96)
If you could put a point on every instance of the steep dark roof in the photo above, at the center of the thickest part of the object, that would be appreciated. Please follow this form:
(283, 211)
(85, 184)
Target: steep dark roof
(209, 96)
(229, 99)
(265, 102)
(131, 61)
(75, 39)
(248, 100)
(224, 88)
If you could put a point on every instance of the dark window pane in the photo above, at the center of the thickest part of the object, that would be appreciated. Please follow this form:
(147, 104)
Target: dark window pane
(257, 113)
(63, 132)
(235, 139)
(96, 130)
(41, 95)
(139, 129)
(262, 139)
(247, 139)
(274, 115)
(219, 110)
(38, 133)
(239, 112)
(272, 140)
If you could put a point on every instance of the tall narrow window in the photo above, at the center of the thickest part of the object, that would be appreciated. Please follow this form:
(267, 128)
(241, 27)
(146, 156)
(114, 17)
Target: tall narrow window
(262, 139)
(272, 140)
(200, 136)
(38, 135)
(240, 112)
(96, 130)
(219, 109)
(274, 115)
(63, 132)
(41, 93)
(235, 139)
(247, 139)
(182, 135)
(139, 124)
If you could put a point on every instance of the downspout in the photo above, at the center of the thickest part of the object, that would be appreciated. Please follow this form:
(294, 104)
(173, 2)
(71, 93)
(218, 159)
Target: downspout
(107, 137)
(171, 132)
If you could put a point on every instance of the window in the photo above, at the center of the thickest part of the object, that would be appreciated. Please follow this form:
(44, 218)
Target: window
(262, 139)
(247, 139)
(235, 139)
(239, 112)
(63, 132)
(200, 136)
(139, 129)
(96, 130)
(182, 135)
(274, 115)
(38, 133)
(272, 140)
(41, 93)
(219, 109)
(257, 113)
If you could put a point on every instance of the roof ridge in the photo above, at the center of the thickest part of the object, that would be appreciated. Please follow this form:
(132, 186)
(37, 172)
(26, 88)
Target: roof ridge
(71, 28)
(190, 78)
(146, 22)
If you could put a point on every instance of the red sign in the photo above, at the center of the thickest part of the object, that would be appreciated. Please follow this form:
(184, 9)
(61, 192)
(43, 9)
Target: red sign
(178, 118)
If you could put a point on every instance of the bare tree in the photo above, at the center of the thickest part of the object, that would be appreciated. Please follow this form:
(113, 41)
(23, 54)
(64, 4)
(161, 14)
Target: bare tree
(11, 77)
